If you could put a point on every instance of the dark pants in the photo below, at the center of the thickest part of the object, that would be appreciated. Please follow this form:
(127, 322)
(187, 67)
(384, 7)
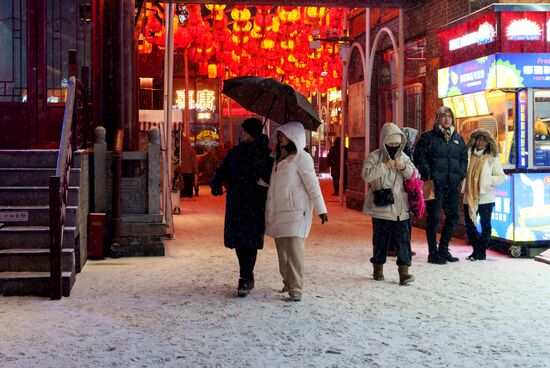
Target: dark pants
(247, 260)
(399, 232)
(336, 179)
(188, 182)
(449, 200)
(479, 242)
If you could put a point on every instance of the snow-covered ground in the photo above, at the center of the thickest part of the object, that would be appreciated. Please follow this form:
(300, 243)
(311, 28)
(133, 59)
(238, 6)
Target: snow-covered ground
(181, 311)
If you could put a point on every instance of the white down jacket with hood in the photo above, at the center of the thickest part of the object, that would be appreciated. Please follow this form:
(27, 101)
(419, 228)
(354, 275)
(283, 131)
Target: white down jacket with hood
(293, 190)
(377, 174)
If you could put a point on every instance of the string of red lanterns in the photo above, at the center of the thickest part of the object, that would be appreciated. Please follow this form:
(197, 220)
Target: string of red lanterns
(266, 41)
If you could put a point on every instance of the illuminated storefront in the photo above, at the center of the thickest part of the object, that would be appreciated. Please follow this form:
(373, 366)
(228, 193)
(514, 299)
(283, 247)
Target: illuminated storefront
(496, 75)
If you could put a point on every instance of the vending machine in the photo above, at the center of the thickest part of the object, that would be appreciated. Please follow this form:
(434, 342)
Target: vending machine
(506, 89)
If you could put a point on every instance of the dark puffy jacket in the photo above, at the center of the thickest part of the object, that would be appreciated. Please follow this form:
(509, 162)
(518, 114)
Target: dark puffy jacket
(243, 166)
(443, 162)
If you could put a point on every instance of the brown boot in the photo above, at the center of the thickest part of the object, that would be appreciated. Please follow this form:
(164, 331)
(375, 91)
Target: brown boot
(404, 276)
(378, 273)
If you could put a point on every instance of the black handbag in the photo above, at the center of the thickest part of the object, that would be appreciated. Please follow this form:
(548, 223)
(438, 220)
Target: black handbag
(383, 197)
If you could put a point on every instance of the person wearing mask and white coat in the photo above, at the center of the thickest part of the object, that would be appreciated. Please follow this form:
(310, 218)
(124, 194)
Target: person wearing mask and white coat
(484, 175)
(293, 193)
(386, 168)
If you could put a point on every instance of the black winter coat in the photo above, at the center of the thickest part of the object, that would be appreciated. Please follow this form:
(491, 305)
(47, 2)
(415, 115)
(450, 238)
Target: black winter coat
(445, 163)
(240, 171)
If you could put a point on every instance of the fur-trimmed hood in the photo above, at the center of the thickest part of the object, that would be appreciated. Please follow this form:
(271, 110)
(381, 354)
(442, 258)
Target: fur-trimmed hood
(444, 110)
(492, 144)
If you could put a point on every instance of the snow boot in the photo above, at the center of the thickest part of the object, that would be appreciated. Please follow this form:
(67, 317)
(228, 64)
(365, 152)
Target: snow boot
(404, 276)
(378, 273)
(244, 287)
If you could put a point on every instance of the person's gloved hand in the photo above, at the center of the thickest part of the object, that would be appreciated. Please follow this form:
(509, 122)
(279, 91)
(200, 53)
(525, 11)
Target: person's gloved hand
(323, 217)
(216, 190)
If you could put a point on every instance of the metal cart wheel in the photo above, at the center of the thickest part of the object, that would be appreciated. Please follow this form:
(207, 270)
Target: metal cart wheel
(515, 251)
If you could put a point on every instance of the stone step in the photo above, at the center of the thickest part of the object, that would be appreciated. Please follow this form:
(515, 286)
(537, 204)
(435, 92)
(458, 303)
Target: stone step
(33, 283)
(25, 196)
(37, 215)
(33, 158)
(34, 260)
(20, 177)
(33, 237)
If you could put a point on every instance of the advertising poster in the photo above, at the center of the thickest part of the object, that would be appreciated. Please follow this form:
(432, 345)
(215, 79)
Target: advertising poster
(502, 218)
(494, 72)
(532, 206)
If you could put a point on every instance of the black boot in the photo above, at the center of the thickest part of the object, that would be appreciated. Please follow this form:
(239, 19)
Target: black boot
(244, 287)
(436, 259)
(448, 257)
(481, 254)
(445, 254)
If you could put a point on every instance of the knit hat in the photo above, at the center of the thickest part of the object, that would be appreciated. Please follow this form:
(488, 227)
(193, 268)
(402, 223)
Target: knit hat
(394, 138)
(253, 127)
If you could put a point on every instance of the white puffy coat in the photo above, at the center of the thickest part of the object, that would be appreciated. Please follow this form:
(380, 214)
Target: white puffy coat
(377, 174)
(293, 190)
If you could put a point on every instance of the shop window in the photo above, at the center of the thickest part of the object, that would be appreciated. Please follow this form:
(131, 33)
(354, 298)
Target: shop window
(542, 128)
(13, 58)
(494, 111)
(68, 27)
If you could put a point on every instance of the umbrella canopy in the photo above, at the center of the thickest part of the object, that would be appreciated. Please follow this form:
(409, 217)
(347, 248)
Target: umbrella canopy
(272, 99)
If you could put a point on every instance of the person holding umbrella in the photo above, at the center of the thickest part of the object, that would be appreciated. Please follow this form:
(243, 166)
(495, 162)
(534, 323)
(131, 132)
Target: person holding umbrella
(245, 171)
(293, 193)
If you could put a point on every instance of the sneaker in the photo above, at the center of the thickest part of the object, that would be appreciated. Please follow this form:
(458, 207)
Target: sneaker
(436, 259)
(448, 257)
(285, 289)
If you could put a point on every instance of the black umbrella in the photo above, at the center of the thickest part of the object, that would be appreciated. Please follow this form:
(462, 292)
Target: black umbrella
(272, 99)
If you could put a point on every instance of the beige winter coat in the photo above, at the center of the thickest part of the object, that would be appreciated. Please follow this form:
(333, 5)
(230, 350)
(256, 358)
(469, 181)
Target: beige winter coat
(293, 190)
(377, 174)
(492, 174)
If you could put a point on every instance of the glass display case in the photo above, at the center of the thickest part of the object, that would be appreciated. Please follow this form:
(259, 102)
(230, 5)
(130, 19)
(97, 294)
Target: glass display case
(494, 111)
(541, 128)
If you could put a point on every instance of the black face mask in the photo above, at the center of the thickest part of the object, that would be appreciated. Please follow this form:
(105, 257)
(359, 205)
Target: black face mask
(392, 151)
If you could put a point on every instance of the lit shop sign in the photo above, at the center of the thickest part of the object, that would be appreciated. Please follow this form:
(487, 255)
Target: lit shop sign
(486, 33)
(204, 102)
(522, 131)
(523, 30)
(208, 135)
(467, 77)
(335, 95)
(495, 72)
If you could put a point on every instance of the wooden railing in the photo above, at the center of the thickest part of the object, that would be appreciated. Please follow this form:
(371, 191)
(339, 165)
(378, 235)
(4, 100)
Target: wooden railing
(59, 189)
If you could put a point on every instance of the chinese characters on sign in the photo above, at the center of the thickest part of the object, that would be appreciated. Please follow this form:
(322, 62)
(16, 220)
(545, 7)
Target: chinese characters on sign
(205, 100)
(522, 131)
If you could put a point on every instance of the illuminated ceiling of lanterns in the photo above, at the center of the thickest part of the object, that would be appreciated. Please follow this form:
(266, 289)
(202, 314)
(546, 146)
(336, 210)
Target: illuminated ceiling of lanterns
(269, 41)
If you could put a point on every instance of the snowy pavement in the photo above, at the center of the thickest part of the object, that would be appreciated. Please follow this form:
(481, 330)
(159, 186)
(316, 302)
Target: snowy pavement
(181, 311)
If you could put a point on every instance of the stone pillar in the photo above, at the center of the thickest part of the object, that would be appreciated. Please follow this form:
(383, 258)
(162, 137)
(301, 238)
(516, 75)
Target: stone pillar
(100, 170)
(153, 171)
